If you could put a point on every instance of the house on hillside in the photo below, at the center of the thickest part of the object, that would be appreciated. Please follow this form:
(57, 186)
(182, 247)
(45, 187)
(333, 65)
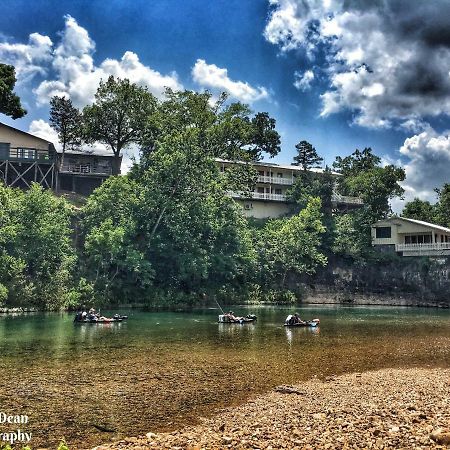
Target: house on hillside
(411, 237)
(269, 198)
(25, 158)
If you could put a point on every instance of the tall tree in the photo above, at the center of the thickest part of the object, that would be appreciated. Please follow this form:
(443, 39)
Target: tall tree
(119, 116)
(66, 120)
(9, 102)
(442, 215)
(307, 156)
(419, 210)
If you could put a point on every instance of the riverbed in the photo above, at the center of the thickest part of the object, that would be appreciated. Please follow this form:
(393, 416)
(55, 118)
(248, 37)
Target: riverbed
(159, 371)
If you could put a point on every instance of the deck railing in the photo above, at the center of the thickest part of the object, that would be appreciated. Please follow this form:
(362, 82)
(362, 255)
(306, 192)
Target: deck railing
(422, 248)
(337, 198)
(259, 196)
(26, 154)
(274, 180)
(85, 169)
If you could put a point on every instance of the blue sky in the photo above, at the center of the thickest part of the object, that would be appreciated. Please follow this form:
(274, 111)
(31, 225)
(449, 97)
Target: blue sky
(342, 75)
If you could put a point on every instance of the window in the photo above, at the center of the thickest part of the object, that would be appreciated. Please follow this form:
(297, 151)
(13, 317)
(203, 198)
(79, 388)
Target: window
(278, 191)
(407, 239)
(261, 172)
(279, 175)
(260, 190)
(383, 232)
(427, 239)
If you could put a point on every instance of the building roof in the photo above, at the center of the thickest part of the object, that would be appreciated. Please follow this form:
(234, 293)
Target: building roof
(28, 134)
(88, 152)
(417, 222)
(277, 166)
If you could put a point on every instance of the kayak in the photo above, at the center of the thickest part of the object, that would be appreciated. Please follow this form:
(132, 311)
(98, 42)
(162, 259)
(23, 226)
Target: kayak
(223, 318)
(309, 323)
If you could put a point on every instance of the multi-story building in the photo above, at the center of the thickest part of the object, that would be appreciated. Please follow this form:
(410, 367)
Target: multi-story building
(269, 197)
(25, 158)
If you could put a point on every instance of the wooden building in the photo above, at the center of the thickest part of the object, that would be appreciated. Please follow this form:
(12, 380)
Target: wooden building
(25, 158)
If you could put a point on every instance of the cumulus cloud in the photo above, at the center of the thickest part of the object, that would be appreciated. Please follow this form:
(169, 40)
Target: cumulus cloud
(303, 81)
(42, 129)
(28, 59)
(214, 77)
(73, 71)
(428, 162)
(386, 61)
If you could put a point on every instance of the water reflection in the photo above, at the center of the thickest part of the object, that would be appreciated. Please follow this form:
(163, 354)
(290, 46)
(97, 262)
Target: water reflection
(296, 334)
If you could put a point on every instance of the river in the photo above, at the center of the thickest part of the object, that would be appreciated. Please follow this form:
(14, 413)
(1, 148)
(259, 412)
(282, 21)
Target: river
(161, 370)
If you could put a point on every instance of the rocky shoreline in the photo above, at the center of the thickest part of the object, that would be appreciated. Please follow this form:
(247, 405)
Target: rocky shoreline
(389, 408)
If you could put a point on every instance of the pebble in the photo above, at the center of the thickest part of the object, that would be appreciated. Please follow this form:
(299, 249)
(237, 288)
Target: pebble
(385, 409)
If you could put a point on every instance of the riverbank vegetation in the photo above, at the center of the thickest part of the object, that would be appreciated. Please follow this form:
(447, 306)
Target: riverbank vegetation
(167, 233)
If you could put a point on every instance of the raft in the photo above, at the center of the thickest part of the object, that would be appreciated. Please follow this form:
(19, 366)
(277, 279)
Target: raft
(223, 318)
(113, 319)
(309, 323)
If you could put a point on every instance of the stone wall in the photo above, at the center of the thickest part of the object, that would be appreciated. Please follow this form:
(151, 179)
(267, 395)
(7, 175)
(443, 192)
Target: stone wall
(412, 281)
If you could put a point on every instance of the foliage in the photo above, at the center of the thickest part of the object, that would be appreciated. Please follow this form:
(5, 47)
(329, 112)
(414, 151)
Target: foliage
(9, 102)
(419, 210)
(364, 177)
(119, 116)
(36, 253)
(442, 208)
(291, 245)
(307, 156)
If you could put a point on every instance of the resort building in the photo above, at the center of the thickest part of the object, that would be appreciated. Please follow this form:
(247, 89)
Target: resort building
(269, 197)
(25, 158)
(411, 237)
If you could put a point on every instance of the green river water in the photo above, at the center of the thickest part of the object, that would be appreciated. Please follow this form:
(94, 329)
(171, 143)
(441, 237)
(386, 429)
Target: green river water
(161, 370)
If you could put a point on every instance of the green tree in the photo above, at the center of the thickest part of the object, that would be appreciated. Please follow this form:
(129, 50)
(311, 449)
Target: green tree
(442, 214)
(291, 245)
(66, 120)
(419, 210)
(119, 116)
(307, 156)
(364, 177)
(9, 102)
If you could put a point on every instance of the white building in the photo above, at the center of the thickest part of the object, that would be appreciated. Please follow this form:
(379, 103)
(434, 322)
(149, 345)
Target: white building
(411, 237)
(269, 198)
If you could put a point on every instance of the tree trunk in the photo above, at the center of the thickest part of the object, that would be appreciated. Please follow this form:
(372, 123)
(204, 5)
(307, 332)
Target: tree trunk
(116, 162)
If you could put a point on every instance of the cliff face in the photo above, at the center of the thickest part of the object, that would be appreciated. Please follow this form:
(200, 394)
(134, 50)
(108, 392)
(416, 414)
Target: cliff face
(409, 281)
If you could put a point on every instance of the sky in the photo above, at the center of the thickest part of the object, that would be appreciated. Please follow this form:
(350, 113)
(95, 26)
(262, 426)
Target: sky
(341, 74)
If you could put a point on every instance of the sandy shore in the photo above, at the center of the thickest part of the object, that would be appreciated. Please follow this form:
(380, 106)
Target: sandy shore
(390, 408)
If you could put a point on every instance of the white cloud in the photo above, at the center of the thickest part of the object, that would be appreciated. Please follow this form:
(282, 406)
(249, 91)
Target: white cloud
(211, 76)
(303, 82)
(386, 62)
(428, 162)
(28, 59)
(74, 71)
(42, 129)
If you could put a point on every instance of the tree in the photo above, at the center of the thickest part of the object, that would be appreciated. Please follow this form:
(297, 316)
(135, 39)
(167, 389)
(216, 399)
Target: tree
(307, 156)
(66, 120)
(291, 245)
(364, 177)
(419, 210)
(9, 102)
(442, 214)
(119, 116)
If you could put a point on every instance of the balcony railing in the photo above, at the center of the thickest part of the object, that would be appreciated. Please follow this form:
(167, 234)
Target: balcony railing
(275, 180)
(336, 198)
(259, 196)
(26, 155)
(85, 169)
(422, 248)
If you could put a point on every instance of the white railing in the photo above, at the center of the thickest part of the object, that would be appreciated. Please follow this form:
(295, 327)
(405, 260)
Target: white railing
(422, 248)
(274, 180)
(259, 196)
(337, 198)
(85, 169)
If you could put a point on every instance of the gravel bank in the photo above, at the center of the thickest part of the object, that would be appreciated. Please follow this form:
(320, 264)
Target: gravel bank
(390, 408)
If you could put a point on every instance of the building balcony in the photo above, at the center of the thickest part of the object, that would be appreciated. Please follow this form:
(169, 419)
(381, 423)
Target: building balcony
(434, 249)
(259, 196)
(85, 169)
(30, 155)
(275, 180)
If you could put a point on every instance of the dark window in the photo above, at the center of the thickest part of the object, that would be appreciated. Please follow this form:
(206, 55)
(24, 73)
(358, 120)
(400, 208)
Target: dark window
(427, 239)
(278, 191)
(383, 232)
(407, 239)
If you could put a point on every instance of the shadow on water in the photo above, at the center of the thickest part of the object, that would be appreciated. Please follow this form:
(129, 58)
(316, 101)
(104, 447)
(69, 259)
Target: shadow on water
(158, 371)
